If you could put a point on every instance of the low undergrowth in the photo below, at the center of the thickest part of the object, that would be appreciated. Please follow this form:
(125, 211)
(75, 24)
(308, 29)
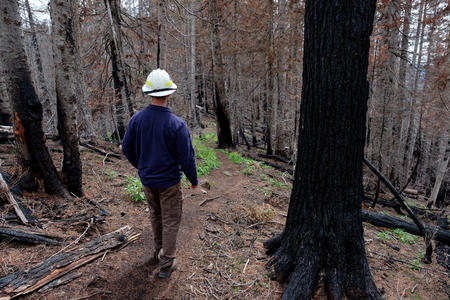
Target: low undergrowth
(134, 189)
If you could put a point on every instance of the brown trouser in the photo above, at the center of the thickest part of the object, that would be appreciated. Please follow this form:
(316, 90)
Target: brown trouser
(166, 208)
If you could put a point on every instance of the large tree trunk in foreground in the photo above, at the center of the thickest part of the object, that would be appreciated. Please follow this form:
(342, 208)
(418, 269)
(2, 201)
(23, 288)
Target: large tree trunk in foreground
(65, 36)
(224, 135)
(32, 153)
(323, 236)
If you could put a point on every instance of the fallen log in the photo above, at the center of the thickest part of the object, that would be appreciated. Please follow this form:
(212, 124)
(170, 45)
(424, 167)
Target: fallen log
(101, 151)
(60, 281)
(437, 233)
(275, 157)
(386, 203)
(29, 236)
(275, 166)
(423, 231)
(82, 219)
(26, 281)
(424, 212)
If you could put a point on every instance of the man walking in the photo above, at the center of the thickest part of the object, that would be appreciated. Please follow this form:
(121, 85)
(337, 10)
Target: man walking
(158, 144)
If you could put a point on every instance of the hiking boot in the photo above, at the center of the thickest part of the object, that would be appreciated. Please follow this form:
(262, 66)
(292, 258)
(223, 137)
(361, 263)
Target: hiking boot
(166, 272)
(155, 257)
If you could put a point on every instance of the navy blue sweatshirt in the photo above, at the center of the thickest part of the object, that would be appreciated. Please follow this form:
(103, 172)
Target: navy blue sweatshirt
(158, 144)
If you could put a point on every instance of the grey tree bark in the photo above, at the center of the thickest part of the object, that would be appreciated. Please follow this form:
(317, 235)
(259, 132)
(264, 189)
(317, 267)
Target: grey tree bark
(269, 107)
(161, 60)
(385, 101)
(194, 116)
(41, 88)
(441, 168)
(122, 92)
(33, 156)
(403, 98)
(281, 135)
(416, 103)
(69, 88)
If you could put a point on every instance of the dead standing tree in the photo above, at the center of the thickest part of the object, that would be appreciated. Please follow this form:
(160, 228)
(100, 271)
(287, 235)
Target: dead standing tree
(122, 91)
(65, 36)
(222, 114)
(323, 232)
(41, 85)
(32, 153)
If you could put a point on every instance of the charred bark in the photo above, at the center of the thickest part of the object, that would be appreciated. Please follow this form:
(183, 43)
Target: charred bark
(64, 16)
(224, 134)
(438, 233)
(120, 82)
(323, 232)
(33, 155)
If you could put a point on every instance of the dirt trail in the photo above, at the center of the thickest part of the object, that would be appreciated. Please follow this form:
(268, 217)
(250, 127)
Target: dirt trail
(220, 250)
(135, 278)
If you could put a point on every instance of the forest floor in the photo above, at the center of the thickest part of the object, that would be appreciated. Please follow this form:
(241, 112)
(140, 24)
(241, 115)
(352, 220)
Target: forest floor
(220, 251)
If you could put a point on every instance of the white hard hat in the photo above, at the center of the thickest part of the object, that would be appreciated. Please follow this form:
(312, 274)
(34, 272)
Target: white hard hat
(159, 84)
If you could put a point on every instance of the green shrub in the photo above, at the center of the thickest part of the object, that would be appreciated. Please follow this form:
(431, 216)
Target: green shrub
(249, 169)
(264, 166)
(276, 183)
(207, 158)
(208, 138)
(223, 151)
(236, 158)
(134, 189)
(416, 265)
(404, 237)
(111, 174)
(384, 235)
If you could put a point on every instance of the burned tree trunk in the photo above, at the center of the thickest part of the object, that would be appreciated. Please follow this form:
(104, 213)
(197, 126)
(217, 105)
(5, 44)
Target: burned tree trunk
(41, 85)
(122, 91)
(222, 114)
(161, 55)
(269, 106)
(65, 31)
(32, 153)
(323, 235)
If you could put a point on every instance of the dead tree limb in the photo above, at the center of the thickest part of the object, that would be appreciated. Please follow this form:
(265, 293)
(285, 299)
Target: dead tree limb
(424, 212)
(22, 212)
(386, 203)
(405, 206)
(101, 151)
(209, 200)
(28, 236)
(275, 166)
(60, 281)
(275, 157)
(101, 208)
(437, 233)
(26, 281)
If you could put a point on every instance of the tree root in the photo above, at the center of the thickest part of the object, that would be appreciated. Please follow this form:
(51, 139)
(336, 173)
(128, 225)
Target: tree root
(304, 266)
(273, 244)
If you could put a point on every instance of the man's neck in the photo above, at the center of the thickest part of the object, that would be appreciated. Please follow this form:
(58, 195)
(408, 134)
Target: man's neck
(160, 101)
